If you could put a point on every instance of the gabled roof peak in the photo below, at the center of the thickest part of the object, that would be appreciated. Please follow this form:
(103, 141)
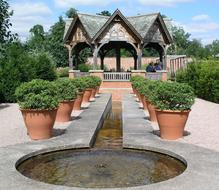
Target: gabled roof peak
(151, 14)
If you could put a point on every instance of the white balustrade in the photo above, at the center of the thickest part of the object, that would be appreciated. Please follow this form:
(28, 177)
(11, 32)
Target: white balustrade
(117, 76)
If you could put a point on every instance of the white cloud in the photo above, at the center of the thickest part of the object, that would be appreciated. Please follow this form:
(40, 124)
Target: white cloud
(163, 3)
(27, 14)
(202, 17)
(201, 27)
(73, 3)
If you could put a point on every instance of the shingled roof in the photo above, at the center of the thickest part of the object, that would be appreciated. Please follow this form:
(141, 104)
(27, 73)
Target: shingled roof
(94, 23)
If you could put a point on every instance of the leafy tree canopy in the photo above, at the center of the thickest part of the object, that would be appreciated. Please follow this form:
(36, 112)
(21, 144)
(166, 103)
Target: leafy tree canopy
(104, 13)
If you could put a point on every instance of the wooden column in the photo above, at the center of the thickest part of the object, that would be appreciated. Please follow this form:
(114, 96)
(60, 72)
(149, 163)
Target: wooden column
(139, 59)
(70, 57)
(135, 62)
(102, 62)
(95, 54)
(164, 59)
(118, 59)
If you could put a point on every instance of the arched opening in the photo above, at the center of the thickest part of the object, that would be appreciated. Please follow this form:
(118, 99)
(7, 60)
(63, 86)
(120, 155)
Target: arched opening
(117, 49)
(80, 54)
(156, 52)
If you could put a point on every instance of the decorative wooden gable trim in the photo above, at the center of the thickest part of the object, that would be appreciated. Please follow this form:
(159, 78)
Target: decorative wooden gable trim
(117, 28)
(158, 32)
(76, 33)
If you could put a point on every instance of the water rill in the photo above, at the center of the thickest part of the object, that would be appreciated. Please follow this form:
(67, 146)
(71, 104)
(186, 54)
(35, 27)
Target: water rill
(110, 135)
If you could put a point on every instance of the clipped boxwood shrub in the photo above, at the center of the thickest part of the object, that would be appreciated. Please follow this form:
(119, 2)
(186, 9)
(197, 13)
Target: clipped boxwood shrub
(136, 78)
(90, 81)
(84, 67)
(66, 90)
(172, 96)
(148, 88)
(38, 95)
(79, 83)
(96, 80)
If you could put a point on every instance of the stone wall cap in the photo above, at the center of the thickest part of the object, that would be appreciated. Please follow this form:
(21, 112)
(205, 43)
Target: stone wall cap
(138, 71)
(74, 71)
(96, 71)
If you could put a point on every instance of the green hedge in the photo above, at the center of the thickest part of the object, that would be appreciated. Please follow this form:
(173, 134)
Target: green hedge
(203, 76)
(19, 66)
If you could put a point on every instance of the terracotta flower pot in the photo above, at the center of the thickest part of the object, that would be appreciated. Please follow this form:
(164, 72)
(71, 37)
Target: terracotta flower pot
(172, 123)
(87, 95)
(93, 93)
(64, 111)
(144, 101)
(138, 96)
(98, 90)
(39, 123)
(152, 113)
(78, 101)
(133, 89)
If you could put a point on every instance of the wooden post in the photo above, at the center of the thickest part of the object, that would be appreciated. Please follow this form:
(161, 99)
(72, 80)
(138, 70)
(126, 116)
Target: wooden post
(139, 54)
(135, 62)
(70, 57)
(118, 59)
(95, 54)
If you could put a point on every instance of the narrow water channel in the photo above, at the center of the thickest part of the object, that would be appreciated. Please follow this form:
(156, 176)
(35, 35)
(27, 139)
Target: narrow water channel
(110, 135)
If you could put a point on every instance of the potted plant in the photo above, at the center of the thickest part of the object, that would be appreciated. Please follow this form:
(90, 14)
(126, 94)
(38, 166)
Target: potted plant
(88, 90)
(38, 103)
(137, 82)
(173, 103)
(142, 89)
(79, 83)
(67, 93)
(96, 83)
(149, 91)
(133, 79)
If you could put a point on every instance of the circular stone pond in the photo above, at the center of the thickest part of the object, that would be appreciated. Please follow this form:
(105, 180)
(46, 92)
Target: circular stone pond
(96, 168)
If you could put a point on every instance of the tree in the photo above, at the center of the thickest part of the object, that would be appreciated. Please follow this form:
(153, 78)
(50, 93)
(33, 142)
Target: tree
(5, 14)
(6, 35)
(71, 13)
(37, 41)
(56, 44)
(104, 13)
(214, 47)
(180, 41)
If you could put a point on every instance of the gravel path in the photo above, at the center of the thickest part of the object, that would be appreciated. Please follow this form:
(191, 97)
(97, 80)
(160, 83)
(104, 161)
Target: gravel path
(12, 127)
(202, 125)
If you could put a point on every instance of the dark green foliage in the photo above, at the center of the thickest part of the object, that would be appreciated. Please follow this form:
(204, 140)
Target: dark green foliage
(37, 43)
(18, 66)
(79, 83)
(66, 90)
(104, 13)
(56, 44)
(5, 14)
(90, 82)
(203, 76)
(84, 67)
(96, 80)
(71, 13)
(44, 68)
(37, 94)
(173, 96)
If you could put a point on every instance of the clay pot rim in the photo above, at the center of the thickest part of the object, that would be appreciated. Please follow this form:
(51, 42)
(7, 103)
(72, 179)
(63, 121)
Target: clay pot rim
(88, 89)
(38, 110)
(66, 101)
(172, 111)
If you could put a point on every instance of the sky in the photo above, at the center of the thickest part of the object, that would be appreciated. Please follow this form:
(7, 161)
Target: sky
(200, 18)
